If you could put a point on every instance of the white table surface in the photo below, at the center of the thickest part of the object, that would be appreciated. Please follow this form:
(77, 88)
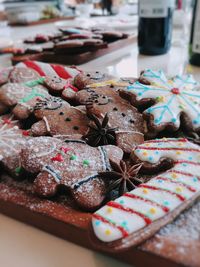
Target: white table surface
(25, 246)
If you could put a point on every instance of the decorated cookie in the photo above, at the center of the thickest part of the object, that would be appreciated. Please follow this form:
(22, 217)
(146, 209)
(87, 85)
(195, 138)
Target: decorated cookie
(62, 87)
(113, 83)
(110, 35)
(173, 102)
(4, 75)
(21, 75)
(57, 117)
(86, 78)
(123, 124)
(52, 70)
(71, 164)
(21, 97)
(137, 215)
(12, 140)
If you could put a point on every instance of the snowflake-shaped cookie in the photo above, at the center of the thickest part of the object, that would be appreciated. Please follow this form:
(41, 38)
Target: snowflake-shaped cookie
(173, 98)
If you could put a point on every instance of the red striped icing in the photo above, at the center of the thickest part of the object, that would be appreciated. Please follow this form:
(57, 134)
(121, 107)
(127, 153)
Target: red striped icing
(129, 210)
(61, 71)
(167, 141)
(165, 209)
(170, 148)
(190, 188)
(162, 189)
(184, 173)
(104, 220)
(188, 162)
(36, 67)
(69, 85)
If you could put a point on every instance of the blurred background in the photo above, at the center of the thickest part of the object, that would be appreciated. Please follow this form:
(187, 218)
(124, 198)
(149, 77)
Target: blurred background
(159, 27)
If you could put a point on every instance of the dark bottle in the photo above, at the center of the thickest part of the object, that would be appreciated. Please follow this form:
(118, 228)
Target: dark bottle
(155, 26)
(195, 36)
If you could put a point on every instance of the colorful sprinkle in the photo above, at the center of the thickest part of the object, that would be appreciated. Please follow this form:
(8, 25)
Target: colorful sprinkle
(73, 157)
(18, 170)
(152, 210)
(144, 153)
(58, 158)
(174, 175)
(179, 189)
(145, 191)
(86, 162)
(166, 203)
(97, 223)
(107, 232)
(109, 210)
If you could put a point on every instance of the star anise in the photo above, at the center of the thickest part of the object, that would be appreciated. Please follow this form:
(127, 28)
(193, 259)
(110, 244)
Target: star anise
(100, 133)
(122, 178)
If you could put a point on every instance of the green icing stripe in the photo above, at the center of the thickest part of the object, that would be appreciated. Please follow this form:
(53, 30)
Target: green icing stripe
(35, 82)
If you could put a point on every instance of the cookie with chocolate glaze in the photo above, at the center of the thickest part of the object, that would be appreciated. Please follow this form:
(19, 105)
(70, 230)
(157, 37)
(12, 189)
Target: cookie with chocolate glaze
(72, 165)
(168, 104)
(57, 117)
(84, 79)
(126, 121)
(21, 97)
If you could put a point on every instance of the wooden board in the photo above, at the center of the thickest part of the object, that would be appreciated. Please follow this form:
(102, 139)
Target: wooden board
(42, 21)
(76, 59)
(61, 218)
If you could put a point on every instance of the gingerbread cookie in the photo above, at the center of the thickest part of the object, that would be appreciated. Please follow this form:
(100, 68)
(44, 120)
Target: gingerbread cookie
(62, 87)
(71, 164)
(86, 78)
(57, 117)
(21, 97)
(124, 124)
(137, 215)
(22, 75)
(4, 75)
(12, 140)
(172, 102)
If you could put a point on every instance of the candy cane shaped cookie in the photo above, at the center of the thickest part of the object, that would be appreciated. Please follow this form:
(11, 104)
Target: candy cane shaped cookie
(137, 215)
(44, 69)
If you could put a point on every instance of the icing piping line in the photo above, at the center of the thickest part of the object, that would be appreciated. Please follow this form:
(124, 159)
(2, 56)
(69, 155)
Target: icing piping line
(85, 180)
(184, 173)
(167, 141)
(129, 210)
(104, 220)
(47, 124)
(187, 162)
(182, 198)
(165, 209)
(54, 173)
(170, 148)
(190, 188)
(75, 141)
(105, 159)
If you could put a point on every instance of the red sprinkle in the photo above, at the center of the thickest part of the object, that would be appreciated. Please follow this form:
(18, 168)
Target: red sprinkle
(65, 149)
(58, 157)
(175, 91)
(25, 133)
(6, 121)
